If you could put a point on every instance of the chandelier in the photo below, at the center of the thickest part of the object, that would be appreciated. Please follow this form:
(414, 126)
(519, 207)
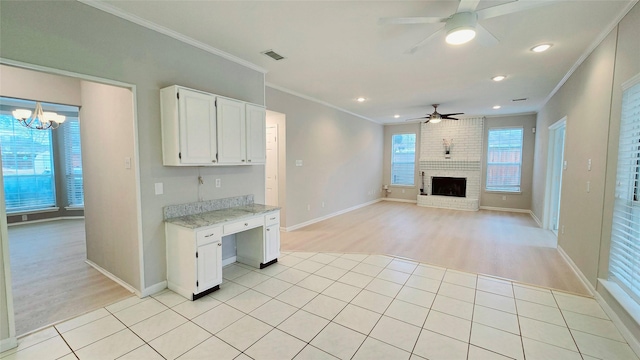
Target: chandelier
(40, 120)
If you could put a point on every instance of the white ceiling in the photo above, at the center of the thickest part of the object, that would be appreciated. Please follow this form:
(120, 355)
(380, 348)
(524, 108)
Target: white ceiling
(337, 51)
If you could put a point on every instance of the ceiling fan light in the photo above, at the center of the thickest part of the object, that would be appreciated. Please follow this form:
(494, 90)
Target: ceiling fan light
(435, 121)
(461, 28)
(460, 36)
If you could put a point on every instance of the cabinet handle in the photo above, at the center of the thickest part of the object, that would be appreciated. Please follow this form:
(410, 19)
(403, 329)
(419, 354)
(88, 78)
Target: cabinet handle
(242, 160)
(214, 160)
(246, 224)
(249, 160)
(273, 218)
(268, 229)
(210, 235)
(219, 244)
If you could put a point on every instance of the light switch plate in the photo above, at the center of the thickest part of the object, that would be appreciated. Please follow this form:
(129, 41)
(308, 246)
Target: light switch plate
(298, 162)
(127, 163)
(159, 187)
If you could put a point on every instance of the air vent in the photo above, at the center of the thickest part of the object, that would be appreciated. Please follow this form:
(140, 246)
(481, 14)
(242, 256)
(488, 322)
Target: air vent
(274, 55)
(521, 99)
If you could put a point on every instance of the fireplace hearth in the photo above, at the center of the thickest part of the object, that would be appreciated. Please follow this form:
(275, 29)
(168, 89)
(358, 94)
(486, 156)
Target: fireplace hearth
(449, 186)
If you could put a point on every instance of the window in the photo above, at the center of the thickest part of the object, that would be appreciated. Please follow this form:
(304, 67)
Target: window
(73, 162)
(624, 258)
(403, 159)
(504, 159)
(27, 166)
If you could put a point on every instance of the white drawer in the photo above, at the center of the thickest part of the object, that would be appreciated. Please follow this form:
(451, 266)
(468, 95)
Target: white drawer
(208, 235)
(243, 225)
(272, 218)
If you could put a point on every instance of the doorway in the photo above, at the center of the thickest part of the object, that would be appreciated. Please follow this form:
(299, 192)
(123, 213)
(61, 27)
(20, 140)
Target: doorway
(275, 166)
(98, 276)
(555, 167)
(271, 167)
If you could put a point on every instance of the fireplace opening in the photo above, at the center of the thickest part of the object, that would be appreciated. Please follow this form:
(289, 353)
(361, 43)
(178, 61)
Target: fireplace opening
(449, 186)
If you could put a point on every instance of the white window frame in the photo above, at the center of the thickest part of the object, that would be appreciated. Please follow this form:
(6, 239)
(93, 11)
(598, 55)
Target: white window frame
(624, 262)
(517, 189)
(413, 177)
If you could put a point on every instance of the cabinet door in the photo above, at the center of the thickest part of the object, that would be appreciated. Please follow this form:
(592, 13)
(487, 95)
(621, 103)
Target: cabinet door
(209, 265)
(271, 242)
(197, 118)
(256, 134)
(231, 131)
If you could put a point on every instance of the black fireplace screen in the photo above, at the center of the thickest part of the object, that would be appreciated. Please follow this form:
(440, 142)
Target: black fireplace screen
(449, 186)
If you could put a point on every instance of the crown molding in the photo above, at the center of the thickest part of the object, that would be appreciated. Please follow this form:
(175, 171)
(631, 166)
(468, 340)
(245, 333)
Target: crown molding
(171, 33)
(306, 97)
(590, 49)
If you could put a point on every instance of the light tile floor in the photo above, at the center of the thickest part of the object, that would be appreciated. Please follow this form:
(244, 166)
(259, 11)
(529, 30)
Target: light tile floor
(345, 306)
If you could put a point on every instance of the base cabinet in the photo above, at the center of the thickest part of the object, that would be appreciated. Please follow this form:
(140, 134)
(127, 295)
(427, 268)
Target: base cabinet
(271, 243)
(194, 260)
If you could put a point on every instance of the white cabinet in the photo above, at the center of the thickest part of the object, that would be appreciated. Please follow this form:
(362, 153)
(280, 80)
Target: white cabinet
(232, 148)
(256, 134)
(194, 260)
(203, 129)
(260, 246)
(271, 243)
(188, 127)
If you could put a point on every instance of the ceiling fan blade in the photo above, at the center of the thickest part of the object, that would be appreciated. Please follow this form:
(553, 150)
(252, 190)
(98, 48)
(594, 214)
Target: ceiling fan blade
(449, 118)
(443, 115)
(511, 7)
(467, 5)
(411, 20)
(415, 47)
(414, 119)
(484, 37)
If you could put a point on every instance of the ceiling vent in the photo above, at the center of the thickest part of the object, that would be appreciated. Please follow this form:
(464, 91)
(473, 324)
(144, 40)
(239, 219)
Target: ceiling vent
(274, 55)
(521, 99)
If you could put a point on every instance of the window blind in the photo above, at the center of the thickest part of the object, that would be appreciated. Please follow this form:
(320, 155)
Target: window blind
(73, 162)
(504, 159)
(624, 262)
(403, 159)
(27, 166)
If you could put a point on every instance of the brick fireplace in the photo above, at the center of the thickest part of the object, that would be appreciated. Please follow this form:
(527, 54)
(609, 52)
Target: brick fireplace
(463, 161)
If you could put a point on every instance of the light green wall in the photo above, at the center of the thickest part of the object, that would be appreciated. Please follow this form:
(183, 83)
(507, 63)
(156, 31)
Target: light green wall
(341, 154)
(520, 201)
(81, 39)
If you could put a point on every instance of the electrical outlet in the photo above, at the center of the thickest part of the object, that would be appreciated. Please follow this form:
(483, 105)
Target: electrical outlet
(323, 204)
(562, 230)
(159, 188)
(403, 191)
(24, 217)
(218, 183)
(308, 207)
(589, 165)
(504, 197)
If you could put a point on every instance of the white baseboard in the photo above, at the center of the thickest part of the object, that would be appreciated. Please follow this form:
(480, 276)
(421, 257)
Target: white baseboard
(46, 220)
(156, 288)
(400, 200)
(493, 208)
(114, 278)
(577, 271)
(313, 221)
(228, 261)
(631, 307)
(535, 218)
(8, 344)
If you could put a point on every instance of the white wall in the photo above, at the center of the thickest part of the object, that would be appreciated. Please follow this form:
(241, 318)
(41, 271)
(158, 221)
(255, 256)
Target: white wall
(341, 155)
(84, 40)
(110, 189)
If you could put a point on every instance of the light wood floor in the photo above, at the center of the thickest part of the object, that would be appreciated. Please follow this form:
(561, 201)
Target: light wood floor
(50, 280)
(503, 244)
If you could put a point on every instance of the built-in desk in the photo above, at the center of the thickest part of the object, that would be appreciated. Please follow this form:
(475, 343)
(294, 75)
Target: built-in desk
(194, 245)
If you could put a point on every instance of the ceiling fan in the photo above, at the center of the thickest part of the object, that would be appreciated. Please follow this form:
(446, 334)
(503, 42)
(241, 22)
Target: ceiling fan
(462, 26)
(436, 117)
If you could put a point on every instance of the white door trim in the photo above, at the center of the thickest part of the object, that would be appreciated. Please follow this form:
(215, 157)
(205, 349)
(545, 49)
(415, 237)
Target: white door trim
(546, 221)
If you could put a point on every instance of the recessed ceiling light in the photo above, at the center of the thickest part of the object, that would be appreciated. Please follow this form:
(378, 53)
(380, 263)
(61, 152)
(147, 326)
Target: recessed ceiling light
(541, 48)
(360, 99)
(496, 107)
(498, 78)
(396, 116)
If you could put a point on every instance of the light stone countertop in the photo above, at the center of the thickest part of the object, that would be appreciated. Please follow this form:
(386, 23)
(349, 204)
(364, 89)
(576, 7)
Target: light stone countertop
(221, 216)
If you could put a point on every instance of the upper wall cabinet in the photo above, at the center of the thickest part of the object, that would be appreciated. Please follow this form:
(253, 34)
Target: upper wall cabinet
(188, 127)
(202, 129)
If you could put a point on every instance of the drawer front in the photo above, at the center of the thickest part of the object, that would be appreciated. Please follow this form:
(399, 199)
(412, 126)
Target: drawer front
(272, 218)
(243, 225)
(208, 235)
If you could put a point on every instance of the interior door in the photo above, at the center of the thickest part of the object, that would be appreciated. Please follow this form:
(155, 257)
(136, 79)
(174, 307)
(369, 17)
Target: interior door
(271, 167)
